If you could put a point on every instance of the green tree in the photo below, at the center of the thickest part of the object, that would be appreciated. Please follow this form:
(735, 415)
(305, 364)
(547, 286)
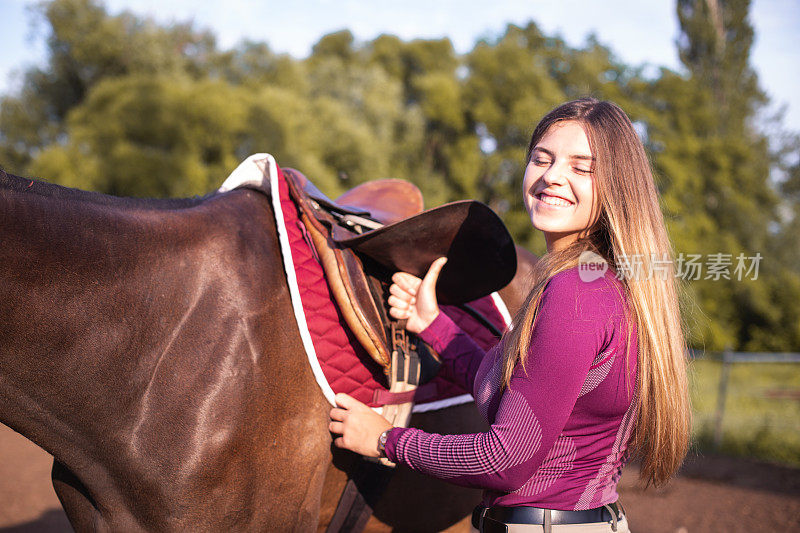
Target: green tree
(126, 106)
(714, 165)
(253, 65)
(715, 44)
(85, 46)
(447, 162)
(144, 135)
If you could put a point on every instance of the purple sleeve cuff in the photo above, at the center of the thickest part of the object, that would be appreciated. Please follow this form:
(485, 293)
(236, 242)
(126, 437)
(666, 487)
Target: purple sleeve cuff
(440, 332)
(391, 443)
(459, 354)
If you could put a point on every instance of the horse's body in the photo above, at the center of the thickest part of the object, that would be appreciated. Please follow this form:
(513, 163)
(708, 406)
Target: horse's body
(150, 347)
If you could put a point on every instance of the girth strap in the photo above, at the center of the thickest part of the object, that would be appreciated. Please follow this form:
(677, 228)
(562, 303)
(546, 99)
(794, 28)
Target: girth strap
(369, 477)
(367, 483)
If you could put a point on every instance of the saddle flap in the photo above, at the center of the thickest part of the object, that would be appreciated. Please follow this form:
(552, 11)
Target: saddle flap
(481, 254)
(350, 289)
(370, 318)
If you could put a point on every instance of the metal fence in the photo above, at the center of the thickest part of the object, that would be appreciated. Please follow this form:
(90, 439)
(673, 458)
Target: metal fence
(729, 358)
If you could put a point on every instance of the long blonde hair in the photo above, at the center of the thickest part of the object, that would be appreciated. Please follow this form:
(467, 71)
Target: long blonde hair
(629, 224)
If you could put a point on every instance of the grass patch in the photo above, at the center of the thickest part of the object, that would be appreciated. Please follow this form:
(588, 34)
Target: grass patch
(762, 409)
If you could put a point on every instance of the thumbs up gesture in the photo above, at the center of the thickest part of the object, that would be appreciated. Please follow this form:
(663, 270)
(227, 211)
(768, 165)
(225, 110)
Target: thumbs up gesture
(414, 299)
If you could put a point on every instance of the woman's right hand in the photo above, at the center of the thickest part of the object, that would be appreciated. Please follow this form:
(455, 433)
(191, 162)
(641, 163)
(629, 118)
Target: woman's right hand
(414, 299)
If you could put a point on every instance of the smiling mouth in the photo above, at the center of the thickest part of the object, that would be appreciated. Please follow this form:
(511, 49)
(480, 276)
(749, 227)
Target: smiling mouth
(552, 200)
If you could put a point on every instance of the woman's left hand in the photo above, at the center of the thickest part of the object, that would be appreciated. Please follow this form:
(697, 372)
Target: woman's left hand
(358, 425)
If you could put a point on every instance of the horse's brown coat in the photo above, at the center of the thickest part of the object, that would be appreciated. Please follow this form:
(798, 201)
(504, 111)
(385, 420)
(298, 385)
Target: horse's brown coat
(150, 347)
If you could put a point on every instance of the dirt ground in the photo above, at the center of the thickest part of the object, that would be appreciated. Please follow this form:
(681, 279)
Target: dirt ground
(712, 494)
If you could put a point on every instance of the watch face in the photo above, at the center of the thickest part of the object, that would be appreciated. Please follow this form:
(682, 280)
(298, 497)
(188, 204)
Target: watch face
(382, 443)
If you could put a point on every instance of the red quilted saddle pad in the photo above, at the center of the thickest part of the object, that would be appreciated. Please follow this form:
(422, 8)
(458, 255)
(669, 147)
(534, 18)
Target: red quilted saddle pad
(344, 362)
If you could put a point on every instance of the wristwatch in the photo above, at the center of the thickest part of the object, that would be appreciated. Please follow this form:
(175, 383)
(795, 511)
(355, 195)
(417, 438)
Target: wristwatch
(382, 443)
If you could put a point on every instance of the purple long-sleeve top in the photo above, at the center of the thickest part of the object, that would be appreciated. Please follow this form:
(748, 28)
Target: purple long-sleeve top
(559, 432)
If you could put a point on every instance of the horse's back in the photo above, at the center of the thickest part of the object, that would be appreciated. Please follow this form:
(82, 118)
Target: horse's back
(176, 389)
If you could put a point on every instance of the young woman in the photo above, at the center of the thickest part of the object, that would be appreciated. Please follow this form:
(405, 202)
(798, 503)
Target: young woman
(593, 366)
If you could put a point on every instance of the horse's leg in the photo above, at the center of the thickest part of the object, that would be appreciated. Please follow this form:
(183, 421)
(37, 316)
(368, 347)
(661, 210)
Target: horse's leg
(75, 499)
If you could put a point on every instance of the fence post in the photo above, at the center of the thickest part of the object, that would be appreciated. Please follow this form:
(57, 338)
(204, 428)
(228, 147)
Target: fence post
(727, 360)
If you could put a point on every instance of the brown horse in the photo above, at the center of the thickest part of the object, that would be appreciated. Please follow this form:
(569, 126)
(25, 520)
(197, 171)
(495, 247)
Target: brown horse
(148, 345)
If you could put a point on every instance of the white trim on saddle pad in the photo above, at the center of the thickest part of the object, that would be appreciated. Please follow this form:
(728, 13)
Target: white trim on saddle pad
(257, 171)
(250, 174)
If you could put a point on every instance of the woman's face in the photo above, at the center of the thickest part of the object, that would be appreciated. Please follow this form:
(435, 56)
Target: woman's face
(558, 189)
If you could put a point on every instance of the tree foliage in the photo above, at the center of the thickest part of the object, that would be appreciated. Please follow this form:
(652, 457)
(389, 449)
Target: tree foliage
(127, 106)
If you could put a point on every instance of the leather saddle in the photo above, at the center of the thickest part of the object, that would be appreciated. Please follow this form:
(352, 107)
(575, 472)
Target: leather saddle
(378, 228)
(361, 239)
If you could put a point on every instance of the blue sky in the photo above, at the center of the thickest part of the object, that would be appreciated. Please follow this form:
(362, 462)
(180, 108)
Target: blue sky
(637, 32)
